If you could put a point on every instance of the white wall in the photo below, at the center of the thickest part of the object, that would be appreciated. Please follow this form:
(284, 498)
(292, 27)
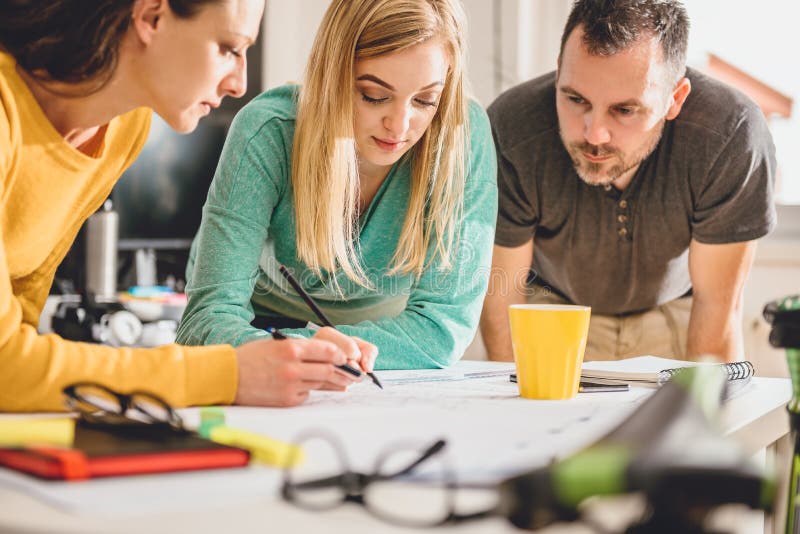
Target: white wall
(512, 41)
(757, 38)
(509, 40)
(289, 29)
(775, 274)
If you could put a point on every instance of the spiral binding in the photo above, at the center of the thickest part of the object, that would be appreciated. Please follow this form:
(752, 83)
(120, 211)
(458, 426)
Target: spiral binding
(735, 370)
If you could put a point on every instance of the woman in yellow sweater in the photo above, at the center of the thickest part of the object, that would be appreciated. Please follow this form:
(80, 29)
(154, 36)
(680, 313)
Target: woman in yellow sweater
(76, 93)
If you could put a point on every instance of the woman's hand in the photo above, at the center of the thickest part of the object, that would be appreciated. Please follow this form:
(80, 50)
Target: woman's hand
(360, 354)
(282, 372)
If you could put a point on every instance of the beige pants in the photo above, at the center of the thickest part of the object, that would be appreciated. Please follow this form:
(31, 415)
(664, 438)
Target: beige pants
(658, 332)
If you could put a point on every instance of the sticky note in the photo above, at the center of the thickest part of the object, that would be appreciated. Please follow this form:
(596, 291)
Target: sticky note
(23, 432)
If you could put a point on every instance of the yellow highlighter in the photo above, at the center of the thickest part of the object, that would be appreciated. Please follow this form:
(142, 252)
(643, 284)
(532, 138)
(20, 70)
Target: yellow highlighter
(263, 449)
(22, 432)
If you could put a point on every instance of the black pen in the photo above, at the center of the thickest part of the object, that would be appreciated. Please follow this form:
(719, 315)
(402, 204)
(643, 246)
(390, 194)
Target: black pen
(316, 309)
(593, 386)
(277, 334)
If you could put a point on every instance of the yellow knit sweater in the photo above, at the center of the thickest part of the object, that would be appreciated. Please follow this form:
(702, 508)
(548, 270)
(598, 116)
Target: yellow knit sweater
(47, 190)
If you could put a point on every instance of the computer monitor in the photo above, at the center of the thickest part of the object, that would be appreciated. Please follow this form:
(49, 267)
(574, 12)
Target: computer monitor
(159, 199)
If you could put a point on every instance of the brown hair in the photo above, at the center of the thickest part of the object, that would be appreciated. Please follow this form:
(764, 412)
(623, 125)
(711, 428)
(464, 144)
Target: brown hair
(72, 41)
(610, 26)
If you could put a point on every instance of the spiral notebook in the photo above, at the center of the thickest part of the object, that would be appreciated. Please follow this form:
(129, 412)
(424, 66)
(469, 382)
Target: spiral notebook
(654, 371)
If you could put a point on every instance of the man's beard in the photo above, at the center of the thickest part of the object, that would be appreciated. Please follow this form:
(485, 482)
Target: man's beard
(589, 172)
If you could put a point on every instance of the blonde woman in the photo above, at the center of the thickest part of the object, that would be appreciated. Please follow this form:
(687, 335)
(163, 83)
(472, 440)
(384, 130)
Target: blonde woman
(374, 183)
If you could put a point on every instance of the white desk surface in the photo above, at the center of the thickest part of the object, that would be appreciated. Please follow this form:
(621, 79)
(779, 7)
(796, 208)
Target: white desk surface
(490, 431)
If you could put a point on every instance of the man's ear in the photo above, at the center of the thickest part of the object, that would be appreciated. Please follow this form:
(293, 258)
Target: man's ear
(146, 18)
(679, 94)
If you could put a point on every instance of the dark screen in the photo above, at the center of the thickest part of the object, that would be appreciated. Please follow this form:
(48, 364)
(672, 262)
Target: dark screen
(161, 195)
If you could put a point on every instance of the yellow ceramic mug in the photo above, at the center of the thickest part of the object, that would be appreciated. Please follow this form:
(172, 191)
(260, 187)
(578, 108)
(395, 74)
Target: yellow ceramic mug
(548, 340)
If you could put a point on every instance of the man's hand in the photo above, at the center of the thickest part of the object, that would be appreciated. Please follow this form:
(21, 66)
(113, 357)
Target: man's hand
(507, 285)
(281, 373)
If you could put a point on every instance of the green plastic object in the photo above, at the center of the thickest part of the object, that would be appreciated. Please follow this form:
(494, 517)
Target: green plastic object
(784, 316)
(793, 355)
(670, 449)
(210, 417)
(600, 470)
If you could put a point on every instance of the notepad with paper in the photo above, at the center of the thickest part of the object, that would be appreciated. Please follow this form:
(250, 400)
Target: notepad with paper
(653, 371)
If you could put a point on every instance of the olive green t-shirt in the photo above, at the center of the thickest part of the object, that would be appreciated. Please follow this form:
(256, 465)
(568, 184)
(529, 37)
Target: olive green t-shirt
(710, 178)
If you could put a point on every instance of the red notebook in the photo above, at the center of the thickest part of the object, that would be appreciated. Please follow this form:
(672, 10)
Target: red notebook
(123, 450)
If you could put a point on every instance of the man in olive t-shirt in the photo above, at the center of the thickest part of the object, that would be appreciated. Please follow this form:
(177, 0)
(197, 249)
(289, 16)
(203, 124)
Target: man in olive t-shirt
(630, 184)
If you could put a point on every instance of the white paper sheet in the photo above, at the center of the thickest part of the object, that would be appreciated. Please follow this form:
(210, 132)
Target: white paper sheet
(490, 430)
(118, 497)
(464, 370)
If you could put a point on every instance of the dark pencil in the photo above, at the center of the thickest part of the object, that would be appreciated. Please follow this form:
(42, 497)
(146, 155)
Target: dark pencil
(277, 334)
(316, 309)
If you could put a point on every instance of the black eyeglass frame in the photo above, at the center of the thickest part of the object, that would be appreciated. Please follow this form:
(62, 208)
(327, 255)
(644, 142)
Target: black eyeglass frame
(354, 485)
(126, 401)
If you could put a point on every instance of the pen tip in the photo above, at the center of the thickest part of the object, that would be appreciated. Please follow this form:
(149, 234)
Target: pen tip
(375, 380)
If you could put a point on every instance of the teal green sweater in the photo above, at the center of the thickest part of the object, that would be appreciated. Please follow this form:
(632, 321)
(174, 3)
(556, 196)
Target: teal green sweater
(248, 230)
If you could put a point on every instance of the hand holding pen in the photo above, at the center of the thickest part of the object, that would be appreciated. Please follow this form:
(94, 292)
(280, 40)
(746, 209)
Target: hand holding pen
(283, 373)
(322, 317)
(352, 371)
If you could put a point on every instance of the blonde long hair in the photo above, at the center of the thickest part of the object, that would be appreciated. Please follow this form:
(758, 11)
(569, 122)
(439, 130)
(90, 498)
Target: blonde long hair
(324, 158)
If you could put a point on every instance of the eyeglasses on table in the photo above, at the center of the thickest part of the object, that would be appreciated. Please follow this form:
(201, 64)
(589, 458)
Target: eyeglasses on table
(410, 486)
(100, 405)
